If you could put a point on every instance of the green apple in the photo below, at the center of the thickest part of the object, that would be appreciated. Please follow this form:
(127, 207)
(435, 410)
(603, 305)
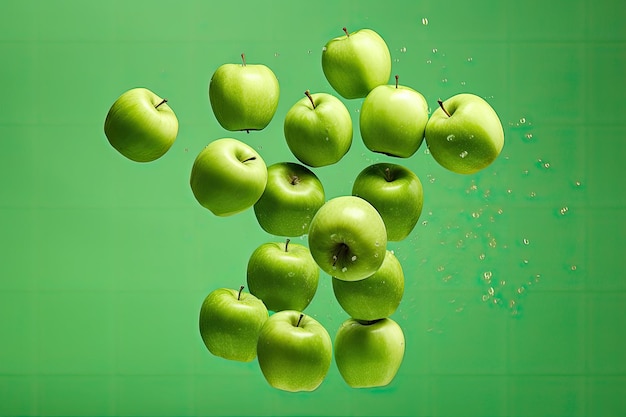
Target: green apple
(294, 351)
(464, 134)
(392, 120)
(230, 323)
(347, 238)
(283, 275)
(244, 96)
(228, 176)
(375, 297)
(318, 129)
(396, 192)
(368, 354)
(292, 196)
(355, 63)
(140, 125)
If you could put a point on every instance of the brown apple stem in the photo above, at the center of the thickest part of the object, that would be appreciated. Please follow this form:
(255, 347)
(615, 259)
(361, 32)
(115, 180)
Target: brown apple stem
(388, 176)
(397, 81)
(346, 31)
(443, 108)
(287, 244)
(300, 319)
(308, 94)
(252, 158)
(342, 248)
(240, 290)
(162, 101)
(243, 60)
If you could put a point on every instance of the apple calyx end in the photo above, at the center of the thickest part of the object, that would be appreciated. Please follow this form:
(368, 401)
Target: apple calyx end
(308, 94)
(443, 108)
(346, 31)
(295, 180)
(239, 293)
(162, 102)
(287, 244)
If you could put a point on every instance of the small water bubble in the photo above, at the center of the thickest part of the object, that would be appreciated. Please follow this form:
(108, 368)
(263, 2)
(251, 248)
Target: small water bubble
(334, 257)
(276, 54)
(563, 210)
(426, 151)
(526, 241)
(528, 136)
(485, 297)
(577, 183)
(522, 120)
(434, 50)
(425, 21)
(491, 291)
(450, 138)
(500, 211)
(428, 61)
(291, 274)
(475, 215)
(403, 49)
(324, 49)
(532, 194)
(440, 268)
(573, 267)
(377, 243)
(521, 290)
(309, 52)
(344, 269)
(502, 283)
(481, 256)
(462, 82)
(375, 255)
(444, 80)
(487, 275)
(509, 191)
(425, 222)
(463, 154)
(353, 258)
(493, 243)
(470, 59)
(525, 261)
(546, 165)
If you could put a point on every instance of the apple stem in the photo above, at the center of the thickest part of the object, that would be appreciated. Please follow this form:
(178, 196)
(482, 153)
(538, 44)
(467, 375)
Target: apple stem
(252, 158)
(243, 60)
(240, 290)
(308, 94)
(397, 81)
(443, 108)
(388, 176)
(300, 319)
(287, 244)
(162, 101)
(346, 31)
(295, 180)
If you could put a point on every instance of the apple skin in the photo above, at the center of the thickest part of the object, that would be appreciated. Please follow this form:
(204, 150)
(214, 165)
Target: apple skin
(283, 275)
(140, 125)
(369, 354)
(393, 119)
(318, 129)
(396, 192)
(228, 177)
(347, 238)
(294, 357)
(468, 140)
(375, 297)
(292, 196)
(355, 64)
(244, 96)
(230, 323)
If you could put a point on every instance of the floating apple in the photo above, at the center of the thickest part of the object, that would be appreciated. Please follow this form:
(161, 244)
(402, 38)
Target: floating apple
(228, 177)
(375, 297)
(244, 96)
(292, 196)
(294, 351)
(140, 125)
(396, 192)
(464, 134)
(355, 63)
(283, 275)
(392, 120)
(368, 354)
(230, 323)
(318, 129)
(347, 238)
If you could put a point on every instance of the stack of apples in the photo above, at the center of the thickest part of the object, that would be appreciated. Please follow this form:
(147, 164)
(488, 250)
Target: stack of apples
(347, 235)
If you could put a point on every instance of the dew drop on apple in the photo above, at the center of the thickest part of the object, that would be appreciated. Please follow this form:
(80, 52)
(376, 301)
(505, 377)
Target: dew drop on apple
(324, 49)
(344, 269)
(353, 258)
(463, 154)
(450, 138)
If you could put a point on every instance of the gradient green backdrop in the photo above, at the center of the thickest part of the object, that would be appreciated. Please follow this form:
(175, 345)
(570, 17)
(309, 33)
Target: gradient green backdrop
(515, 301)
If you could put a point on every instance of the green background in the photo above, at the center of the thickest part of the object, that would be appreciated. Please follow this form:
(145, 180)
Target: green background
(515, 301)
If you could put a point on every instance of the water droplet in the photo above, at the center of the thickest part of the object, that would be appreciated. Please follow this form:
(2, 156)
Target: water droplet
(309, 52)
(546, 165)
(462, 82)
(377, 243)
(426, 151)
(425, 21)
(344, 269)
(276, 54)
(481, 256)
(353, 258)
(463, 154)
(493, 243)
(403, 49)
(487, 275)
(470, 59)
(525, 261)
(428, 61)
(375, 255)
(434, 50)
(500, 211)
(491, 291)
(440, 268)
(528, 136)
(533, 194)
(573, 267)
(521, 289)
(485, 297)
(522, 120)
(577, 183)
(509, 191)
(291, 274)
(425, 222)
(475, 215)
(502, 283)
(526, 241)
(564, 210)
(324, 49)
(450, 138)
